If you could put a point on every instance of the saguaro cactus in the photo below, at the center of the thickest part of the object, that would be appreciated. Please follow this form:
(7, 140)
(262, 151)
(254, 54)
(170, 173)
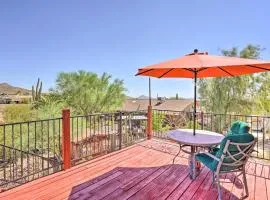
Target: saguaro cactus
(36, 91)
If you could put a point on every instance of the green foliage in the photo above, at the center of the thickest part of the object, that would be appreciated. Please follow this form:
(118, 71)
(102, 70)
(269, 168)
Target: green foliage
(50, 105)
(86, 92)
(158, 122)
(190, 123)
(262, 98)
(18, 113)
(231, 95)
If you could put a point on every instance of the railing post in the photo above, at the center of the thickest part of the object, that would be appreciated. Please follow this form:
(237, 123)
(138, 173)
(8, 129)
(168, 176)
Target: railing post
(202, 120)
(120, 130)
(149, 123)
(66, 139)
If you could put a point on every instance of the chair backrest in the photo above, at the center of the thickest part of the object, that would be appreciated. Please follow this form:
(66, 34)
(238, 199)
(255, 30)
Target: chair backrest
(239, 127)
(235, 151)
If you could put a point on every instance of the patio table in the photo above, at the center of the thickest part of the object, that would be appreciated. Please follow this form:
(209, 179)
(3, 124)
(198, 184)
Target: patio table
(203, 138)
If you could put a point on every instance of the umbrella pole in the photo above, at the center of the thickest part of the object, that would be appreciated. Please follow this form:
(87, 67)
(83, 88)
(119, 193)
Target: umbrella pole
(195, 102)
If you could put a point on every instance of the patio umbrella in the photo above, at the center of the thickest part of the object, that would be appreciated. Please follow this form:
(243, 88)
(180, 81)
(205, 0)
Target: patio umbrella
(201, 65)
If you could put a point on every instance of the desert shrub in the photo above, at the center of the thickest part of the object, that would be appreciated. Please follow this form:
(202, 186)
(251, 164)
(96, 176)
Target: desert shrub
(18, 113)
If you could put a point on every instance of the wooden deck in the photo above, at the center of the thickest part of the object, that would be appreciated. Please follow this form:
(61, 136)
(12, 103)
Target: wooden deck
(142, 171)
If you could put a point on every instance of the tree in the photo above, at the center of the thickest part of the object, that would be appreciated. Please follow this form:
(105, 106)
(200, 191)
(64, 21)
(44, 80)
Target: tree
(263, 95)
(86, 92)
(176, 96)
(223, 95)
(50, 105)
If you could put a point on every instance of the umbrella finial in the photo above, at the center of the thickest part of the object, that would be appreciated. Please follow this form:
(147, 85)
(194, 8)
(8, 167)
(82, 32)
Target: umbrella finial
(196, 51)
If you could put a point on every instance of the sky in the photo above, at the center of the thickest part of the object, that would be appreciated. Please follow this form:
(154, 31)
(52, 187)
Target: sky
(43, 38)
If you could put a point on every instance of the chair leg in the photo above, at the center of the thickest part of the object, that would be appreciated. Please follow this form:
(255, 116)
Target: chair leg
(177, 153)
(218, 186)
(213, 177)
(245, 182)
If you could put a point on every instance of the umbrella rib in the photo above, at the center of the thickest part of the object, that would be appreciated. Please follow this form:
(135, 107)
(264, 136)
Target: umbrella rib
(199, 70)
(166, 72)
(225, 71)
(140, 73)
(190, 70)
(259, 67)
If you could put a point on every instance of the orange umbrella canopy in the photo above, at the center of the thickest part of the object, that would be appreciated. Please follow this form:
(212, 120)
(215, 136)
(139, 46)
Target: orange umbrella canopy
(204, 65)
(201, 65)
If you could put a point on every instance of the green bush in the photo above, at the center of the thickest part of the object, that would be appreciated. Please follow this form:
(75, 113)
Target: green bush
(158, 123)
(18, 113)
(190, 125)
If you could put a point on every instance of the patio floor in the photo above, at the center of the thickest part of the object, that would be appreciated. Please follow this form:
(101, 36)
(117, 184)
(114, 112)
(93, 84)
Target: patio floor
(142, 171)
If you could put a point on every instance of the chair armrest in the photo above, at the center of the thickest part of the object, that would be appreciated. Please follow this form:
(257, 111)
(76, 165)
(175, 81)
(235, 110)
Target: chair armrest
(210, 155)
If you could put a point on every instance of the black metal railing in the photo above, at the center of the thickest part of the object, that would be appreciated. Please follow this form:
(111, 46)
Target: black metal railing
(32, 149)
(29, 150)
(165, 120)
(98, 134)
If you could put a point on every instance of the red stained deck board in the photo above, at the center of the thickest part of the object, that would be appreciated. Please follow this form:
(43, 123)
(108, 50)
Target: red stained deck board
(131, 188)
(103, 190)
(229, 186)
(78, 177)
(190, 191)
(151, 190)
(261, 190)
(166, 191)
(153, 158)
(180, 189)
(259, 168)
(131, 158)
(142, 171)
(267, 181)
(29, 187)
(204, 187)
(130, 173)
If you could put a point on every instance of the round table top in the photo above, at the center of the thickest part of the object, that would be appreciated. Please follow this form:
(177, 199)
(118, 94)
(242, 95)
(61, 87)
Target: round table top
(202, 137)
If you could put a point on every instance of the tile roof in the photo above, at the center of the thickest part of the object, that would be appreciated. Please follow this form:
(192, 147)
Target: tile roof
(168, 104)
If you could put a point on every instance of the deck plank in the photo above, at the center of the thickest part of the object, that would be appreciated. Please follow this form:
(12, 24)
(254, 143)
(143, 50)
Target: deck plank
(204, 187)
(128, 190)
(154, 159)
(81, 176)
(37, 185)
(260, 183)
(167, 190)
(142, 171)
(152, 189)
(192, 189)
(131, 159)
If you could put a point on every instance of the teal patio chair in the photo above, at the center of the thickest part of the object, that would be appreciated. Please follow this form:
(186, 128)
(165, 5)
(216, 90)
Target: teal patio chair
(237, 127)
(234, 151)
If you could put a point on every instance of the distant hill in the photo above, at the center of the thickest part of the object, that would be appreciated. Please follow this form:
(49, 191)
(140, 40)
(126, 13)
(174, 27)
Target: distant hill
(9, 89)
(143, 97)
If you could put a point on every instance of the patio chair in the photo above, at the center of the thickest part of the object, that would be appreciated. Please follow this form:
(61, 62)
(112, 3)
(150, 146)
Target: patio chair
(237, 127)
(232, 156)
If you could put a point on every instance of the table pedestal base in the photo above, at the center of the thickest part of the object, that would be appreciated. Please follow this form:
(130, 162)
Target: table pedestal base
(194, 166)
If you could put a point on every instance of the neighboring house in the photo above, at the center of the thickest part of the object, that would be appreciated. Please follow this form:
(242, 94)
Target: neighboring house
(160, 104)
(14, 98)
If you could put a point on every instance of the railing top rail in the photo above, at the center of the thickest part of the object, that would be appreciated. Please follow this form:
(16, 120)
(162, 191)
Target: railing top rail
(30, 121)
(209, 113)
(110, 113)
